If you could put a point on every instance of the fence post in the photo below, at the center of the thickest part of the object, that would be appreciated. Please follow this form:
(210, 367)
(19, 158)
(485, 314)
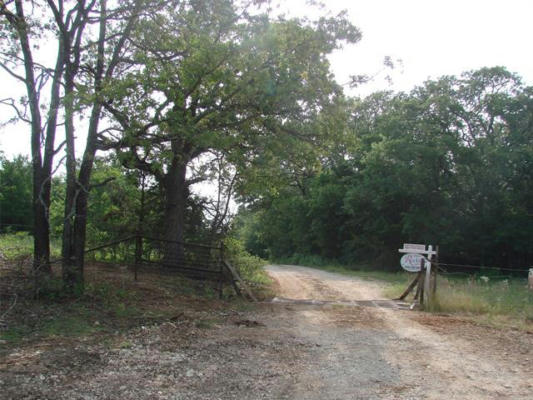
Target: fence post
(434, 273)
(419, 295)
(427, 279)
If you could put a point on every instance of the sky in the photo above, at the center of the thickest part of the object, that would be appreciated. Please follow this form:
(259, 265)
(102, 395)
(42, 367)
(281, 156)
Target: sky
(435, 38)
(431, 37)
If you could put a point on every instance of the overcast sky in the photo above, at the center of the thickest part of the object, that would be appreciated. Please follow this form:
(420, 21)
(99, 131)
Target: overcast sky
(431, 37)
(436, 37)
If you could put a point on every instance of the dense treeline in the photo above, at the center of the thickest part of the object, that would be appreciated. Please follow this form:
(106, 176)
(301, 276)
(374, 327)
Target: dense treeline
(450, 163)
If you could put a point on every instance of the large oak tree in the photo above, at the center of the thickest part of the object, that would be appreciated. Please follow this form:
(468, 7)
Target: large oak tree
(217, 76)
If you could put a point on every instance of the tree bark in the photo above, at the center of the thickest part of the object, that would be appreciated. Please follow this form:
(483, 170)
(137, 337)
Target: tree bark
(71, 192)
(75, 230)
(41, 165)
(176, 192)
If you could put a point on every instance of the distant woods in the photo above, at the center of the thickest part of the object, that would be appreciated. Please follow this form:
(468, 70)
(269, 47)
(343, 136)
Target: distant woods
(450, 163)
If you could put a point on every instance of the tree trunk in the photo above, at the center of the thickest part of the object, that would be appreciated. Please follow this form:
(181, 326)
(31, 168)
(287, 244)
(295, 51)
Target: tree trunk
(76, 230)
(140, 224)
(41, 230)
(41, 170)
(176, 194)
(69, 271)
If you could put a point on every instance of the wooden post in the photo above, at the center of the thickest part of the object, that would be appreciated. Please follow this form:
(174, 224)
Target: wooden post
(434, 273)
(426, 287)
(419, 295)
(427, 279)
(236, 277)
(410, 287)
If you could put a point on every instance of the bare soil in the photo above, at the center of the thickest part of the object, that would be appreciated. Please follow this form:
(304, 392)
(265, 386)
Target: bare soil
(326, 336)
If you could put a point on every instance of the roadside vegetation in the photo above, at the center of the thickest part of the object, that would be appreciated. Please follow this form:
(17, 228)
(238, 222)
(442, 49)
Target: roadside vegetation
(499, 302)
(111, 302)
(110, 305)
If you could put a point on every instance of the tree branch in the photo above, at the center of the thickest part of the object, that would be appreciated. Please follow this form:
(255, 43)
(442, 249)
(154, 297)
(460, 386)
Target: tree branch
(20, 115)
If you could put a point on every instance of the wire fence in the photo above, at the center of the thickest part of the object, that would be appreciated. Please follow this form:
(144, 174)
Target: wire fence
(480, 271)
(134, 258)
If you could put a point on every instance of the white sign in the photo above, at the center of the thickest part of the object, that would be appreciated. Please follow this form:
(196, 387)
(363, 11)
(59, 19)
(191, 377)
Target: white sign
(414, 246)
(411, 262)
(417, 248)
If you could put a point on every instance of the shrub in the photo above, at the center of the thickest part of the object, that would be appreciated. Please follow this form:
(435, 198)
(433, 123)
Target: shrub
(249, 267)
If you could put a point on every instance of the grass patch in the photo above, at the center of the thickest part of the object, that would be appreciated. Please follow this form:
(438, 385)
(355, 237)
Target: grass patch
(112, 302)
(507, 300)
(126, 344)
(15, 334)
(76, 323)
(17, 245)
(57, 321)
(205, 323)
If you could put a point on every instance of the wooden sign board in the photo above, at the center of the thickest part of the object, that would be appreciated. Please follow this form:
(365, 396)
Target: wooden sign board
(417, 248)
(414, 246)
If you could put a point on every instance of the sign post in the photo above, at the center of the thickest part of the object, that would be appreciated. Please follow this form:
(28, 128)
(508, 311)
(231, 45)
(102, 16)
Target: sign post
(413, 260)
(427, 293)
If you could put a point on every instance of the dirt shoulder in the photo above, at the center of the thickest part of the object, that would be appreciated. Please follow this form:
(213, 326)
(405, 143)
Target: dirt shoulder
(354, 347)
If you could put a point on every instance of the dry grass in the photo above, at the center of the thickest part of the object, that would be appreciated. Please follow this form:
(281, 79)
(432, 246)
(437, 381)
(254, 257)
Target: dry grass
(502, 302)
(497, 302)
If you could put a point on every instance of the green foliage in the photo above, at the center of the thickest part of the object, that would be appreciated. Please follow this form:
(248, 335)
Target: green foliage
(15, 194)
(449, 163)
(232, 81)
(249, 267)
(113, 207)
(15, 245)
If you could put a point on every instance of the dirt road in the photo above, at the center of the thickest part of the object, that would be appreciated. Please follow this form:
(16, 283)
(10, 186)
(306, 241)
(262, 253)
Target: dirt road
(386, 353)
(326, 336)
